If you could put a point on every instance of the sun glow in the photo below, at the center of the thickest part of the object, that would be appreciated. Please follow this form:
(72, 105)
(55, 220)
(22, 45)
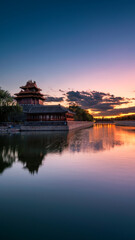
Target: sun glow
(113, 116)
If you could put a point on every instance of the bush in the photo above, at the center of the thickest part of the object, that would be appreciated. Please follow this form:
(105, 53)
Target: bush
(80, 114)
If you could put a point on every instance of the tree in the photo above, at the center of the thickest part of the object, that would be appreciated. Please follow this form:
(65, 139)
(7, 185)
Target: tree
(80, 114)
(8, 108)
(5, 98)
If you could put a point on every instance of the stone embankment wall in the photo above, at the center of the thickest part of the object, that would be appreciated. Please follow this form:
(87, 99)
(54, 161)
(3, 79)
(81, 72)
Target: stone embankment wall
(125, 123)
(71, 125)
(3, 129)
(8, 129)
(79, 124)
(64, 126)
(43, 128)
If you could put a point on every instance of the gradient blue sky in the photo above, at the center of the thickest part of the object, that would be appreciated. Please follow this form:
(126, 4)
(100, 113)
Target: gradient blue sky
(76, 45)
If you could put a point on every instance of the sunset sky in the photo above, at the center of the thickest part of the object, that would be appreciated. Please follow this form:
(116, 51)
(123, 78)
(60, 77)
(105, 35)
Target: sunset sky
(77, 51)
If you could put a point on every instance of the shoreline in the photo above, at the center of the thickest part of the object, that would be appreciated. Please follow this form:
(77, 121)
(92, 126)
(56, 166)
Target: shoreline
(125, 123)
(69, 126)
(45, 126)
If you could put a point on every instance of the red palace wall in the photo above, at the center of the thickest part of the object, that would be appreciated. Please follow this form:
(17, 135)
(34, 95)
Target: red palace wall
(30, 101)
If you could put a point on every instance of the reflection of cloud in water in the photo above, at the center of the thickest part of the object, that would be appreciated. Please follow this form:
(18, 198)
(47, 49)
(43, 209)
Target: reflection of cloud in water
(99, 138)
(31, 148)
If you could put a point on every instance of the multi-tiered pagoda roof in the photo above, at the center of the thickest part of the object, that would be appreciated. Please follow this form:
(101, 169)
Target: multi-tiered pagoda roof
(30, 94)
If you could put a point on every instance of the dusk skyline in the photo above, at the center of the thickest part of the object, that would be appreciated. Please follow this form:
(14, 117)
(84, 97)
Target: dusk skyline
(74, 47)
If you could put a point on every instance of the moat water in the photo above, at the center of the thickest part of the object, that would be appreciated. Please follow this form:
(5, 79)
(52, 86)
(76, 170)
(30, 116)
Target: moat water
(76, 185)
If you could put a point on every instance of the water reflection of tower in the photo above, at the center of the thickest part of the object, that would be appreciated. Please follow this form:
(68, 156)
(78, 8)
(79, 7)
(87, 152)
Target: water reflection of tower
(30, 148)
(35, 147)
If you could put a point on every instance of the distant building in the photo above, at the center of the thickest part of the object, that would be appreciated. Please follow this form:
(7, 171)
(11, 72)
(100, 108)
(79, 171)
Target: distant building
(32, 100)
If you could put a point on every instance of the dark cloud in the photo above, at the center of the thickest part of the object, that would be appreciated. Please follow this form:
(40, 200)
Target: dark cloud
(94, 99)
(54, 99)
(99, 101)
(60, 90)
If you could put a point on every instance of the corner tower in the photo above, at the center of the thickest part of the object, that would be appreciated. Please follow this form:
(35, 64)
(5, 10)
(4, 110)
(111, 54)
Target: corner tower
(30, 94)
